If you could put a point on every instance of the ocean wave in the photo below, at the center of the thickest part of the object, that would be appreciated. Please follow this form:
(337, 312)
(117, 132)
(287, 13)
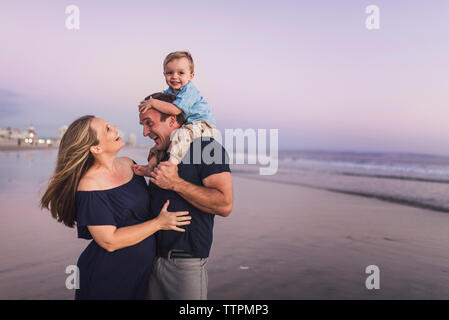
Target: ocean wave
(379, 176)
(415, 192)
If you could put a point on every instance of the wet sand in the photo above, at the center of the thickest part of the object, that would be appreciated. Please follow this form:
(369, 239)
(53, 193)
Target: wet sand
(280, 242)
(292, 242)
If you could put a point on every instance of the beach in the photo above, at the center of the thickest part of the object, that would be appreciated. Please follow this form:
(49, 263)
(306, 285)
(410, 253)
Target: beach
(292, 242)
(282, 241)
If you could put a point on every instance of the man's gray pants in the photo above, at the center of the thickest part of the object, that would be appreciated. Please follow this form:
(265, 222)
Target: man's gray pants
(178, 279)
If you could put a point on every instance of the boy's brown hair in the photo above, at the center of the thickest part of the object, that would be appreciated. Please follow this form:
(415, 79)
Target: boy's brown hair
(179, 55)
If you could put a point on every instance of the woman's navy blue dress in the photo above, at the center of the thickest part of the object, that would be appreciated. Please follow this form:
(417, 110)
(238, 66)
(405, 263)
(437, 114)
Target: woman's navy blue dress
(124, 273)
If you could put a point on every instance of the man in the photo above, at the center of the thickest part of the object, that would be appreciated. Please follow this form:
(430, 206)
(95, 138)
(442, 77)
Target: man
(203, 189)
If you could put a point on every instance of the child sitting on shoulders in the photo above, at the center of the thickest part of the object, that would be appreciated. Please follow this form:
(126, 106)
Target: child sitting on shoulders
(178, 72)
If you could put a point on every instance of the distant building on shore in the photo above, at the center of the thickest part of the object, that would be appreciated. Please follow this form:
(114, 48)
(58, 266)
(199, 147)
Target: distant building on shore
(32, 137)
(132, 139)
(11, 136)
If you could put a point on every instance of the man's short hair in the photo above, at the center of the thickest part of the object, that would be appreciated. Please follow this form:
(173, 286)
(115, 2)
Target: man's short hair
(167, 98)
(179, 55)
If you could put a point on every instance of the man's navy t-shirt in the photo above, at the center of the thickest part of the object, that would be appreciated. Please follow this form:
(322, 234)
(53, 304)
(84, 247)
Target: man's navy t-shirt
(203, 159)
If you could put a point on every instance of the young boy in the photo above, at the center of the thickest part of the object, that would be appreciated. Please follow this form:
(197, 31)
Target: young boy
(178, 72)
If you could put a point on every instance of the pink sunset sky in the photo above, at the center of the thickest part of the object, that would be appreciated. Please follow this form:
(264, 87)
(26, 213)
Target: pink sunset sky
(308, 68)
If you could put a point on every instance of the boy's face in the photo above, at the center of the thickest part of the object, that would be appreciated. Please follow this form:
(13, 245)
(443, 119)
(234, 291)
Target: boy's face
(177, 73)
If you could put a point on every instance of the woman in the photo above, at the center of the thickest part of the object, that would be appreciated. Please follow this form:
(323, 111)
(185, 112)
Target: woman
(109, 204)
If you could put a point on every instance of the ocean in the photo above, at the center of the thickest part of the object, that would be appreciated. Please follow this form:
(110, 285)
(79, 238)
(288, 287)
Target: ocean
(411, 179)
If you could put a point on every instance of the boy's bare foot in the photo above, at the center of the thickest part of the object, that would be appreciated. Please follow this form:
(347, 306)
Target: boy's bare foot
(152, 162)
(142, 170)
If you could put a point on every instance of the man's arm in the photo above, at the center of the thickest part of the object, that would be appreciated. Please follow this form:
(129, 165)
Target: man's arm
(215, 196)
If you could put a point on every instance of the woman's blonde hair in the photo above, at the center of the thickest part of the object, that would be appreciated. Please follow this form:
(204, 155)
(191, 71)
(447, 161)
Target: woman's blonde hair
(74, 159)
(179, 55)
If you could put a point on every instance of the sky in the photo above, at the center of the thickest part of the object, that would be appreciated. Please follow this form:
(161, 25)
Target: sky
(310, 69)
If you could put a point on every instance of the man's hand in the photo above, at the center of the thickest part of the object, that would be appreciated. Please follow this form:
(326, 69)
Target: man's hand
(145, 105)
(165, 176)
(215, 196)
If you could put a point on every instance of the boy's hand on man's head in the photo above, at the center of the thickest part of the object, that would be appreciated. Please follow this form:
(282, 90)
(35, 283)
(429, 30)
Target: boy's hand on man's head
(145, 105)
(159, 105)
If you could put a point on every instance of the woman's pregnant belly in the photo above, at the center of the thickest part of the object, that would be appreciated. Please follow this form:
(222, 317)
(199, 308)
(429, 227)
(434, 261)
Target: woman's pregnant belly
(136, 259)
